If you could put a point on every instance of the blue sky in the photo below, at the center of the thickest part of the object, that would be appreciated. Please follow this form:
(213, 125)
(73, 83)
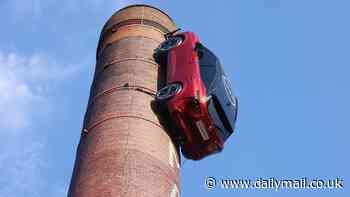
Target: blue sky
(288, 60)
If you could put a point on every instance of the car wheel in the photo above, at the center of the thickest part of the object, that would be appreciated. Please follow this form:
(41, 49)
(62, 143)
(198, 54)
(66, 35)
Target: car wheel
(168, 91)
(170, 43)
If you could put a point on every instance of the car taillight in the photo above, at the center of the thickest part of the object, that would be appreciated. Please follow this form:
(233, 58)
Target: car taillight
(213, 148)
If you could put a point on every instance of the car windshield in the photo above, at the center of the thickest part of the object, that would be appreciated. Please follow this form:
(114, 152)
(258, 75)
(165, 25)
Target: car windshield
(208, 65)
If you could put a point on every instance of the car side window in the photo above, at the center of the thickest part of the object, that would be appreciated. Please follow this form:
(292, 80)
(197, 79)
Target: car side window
(207, 75)
(207, 62)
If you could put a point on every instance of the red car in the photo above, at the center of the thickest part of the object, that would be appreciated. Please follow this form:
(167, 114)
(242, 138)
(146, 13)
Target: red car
(197, 95)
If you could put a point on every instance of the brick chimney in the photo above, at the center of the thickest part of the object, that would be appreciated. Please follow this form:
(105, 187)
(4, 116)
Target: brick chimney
(124, 149)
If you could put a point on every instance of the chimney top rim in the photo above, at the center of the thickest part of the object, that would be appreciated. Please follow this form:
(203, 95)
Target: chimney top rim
(145, 5)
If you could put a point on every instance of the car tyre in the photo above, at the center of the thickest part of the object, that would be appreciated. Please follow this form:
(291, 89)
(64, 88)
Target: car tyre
(168, 91)
(170, 43)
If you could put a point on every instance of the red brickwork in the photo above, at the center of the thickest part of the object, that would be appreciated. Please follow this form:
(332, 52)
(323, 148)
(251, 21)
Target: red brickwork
(123, 150)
